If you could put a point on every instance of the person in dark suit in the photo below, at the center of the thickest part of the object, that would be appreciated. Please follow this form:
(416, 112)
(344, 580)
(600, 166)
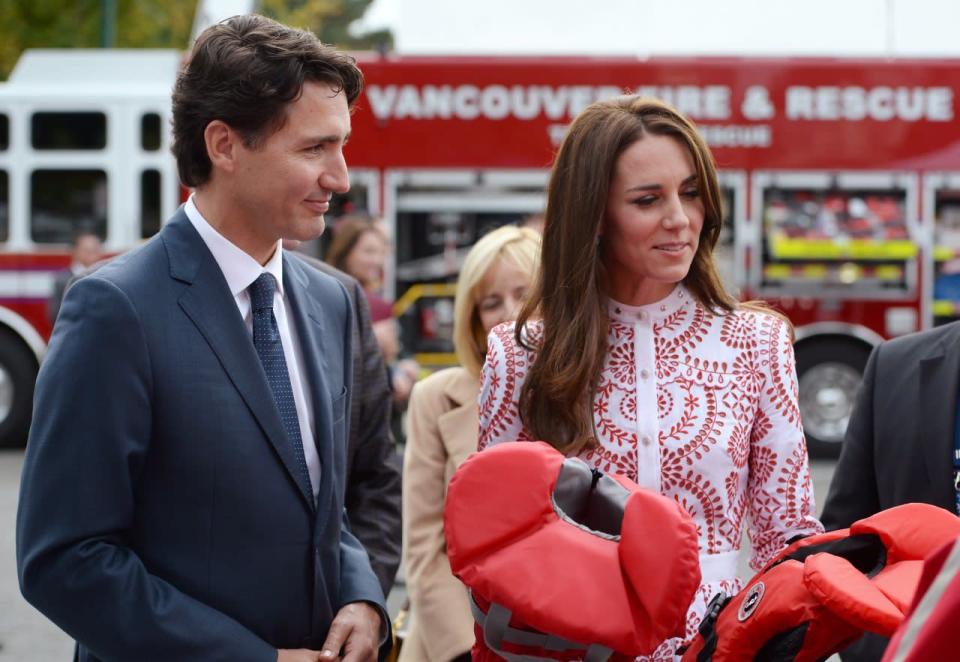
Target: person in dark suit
(899, 444)
(373, 464)
(84, 253)
(373, 485)
(182, 493)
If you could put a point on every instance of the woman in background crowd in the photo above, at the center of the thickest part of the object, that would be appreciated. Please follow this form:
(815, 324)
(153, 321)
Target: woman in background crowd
(360, 248)
(630, 354)
(442, 420)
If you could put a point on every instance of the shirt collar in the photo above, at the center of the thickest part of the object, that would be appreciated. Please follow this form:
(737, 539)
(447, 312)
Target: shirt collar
(239, 269)
(670, 304)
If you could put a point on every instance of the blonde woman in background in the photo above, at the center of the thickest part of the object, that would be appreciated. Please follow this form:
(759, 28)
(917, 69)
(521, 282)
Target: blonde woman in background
(443, 424)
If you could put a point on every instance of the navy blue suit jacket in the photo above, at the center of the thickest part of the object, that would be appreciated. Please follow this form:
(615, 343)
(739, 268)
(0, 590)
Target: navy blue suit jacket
(160, 513)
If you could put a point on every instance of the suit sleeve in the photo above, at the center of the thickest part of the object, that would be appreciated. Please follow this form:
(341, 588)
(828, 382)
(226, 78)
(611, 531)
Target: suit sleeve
(439, 600)
(358, 583)
(89, 440)
(56, 297)
(373, 482)
(853, 490)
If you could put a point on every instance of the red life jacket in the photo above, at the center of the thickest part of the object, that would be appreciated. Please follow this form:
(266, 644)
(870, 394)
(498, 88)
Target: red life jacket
(930, 632)
(563, 561)
(824, 591)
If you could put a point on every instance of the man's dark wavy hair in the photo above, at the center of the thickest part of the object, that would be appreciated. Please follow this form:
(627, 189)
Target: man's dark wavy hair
(244, 71)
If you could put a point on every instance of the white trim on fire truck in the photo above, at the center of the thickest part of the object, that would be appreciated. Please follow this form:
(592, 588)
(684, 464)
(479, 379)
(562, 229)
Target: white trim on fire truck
(839, 329)
(25, 330)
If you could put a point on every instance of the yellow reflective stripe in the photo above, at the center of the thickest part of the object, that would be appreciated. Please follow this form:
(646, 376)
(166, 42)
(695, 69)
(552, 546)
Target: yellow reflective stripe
(436, 358)
(889, 272)
(944, 308)
(944, 253)
(784, 248)
(420, 290)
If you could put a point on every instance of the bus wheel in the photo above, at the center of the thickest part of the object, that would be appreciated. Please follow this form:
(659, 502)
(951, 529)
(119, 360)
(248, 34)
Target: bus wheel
(829, 370)
(18, 373)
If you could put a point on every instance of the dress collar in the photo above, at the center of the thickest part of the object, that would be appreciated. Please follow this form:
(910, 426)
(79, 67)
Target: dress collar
(677, 299)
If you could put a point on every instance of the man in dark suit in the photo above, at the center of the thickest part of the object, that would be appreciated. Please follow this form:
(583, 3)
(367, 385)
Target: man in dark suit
(182, 494)
(373, 465)
(899, 446)
(373, 485)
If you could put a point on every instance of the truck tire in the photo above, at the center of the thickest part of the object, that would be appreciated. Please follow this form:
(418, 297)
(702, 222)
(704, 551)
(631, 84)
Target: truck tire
(18, 374)
(829, 372)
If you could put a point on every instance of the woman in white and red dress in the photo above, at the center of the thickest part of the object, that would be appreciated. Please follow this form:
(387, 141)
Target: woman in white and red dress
(631, 355)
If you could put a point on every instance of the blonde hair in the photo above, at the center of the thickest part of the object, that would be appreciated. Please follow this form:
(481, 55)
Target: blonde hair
(519, 246)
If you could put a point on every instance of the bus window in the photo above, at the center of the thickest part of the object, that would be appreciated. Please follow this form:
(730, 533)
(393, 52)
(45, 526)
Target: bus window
(63, 202)
(4, 206)
(150, 132)
(4, 131)
(149, 203)
(71, 131)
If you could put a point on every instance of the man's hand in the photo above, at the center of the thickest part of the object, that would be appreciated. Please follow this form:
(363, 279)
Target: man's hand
(298, 655)
(355, 630)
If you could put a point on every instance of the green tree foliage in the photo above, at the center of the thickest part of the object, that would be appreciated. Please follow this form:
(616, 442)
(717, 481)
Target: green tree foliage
(330, 20)
(161, 24)
(78, 24)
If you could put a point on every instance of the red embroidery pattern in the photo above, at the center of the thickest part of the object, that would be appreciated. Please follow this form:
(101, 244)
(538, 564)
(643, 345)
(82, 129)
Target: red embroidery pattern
(497, 414)
(608, 427)
(782, 388)
(727, 422)
(707, 508)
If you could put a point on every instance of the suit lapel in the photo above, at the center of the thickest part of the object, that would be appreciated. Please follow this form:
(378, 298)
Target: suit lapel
(939, 379)
(210, 305)
(309, 321)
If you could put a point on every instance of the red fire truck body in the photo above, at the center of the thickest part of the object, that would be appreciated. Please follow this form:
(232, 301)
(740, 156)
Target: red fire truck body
(841, 181)
(835, 173)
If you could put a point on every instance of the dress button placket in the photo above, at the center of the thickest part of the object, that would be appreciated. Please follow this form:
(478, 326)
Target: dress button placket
(648, 429)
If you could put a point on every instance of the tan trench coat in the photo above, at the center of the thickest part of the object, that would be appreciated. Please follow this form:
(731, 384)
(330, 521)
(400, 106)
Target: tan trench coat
(443, 423)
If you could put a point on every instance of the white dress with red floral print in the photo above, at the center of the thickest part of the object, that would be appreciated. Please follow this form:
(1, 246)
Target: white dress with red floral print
(697, 406)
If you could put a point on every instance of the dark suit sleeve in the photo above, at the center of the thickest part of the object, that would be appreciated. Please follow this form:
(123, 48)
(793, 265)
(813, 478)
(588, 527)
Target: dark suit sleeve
(853, 490)
(89, 440)
(56, 297)
(358, 583)
(373, 475)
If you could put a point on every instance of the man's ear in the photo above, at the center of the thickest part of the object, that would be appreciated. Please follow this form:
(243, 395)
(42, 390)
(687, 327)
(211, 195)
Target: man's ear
(222, 143)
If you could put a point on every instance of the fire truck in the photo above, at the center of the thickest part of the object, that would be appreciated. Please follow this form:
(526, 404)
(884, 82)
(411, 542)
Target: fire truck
(841, 182)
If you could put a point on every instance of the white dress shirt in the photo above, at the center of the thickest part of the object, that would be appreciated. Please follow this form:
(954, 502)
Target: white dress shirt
(240, 271)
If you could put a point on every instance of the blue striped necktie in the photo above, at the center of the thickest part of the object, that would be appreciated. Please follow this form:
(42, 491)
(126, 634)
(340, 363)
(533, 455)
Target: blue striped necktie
(266, 340)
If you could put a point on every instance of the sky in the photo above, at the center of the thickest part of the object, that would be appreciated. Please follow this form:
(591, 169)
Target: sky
(926, 28)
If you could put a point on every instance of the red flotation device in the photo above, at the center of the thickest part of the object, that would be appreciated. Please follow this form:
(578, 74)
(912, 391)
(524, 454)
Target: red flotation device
(823, 592)
(563, 561)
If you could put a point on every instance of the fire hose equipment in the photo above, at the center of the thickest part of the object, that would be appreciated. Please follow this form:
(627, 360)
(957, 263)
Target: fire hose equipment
(824, 591)
(565, 562)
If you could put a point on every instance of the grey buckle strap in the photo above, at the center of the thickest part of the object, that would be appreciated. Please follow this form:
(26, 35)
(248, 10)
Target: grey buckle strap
(496, 630)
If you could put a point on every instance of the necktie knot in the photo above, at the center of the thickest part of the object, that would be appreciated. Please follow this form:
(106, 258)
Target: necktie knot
(261, 292)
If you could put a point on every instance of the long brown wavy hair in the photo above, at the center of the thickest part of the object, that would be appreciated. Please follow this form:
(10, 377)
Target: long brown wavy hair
(570, 293)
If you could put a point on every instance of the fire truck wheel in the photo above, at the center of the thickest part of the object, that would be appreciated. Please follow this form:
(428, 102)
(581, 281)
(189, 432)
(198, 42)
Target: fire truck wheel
(18, 372)
(829, 370)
